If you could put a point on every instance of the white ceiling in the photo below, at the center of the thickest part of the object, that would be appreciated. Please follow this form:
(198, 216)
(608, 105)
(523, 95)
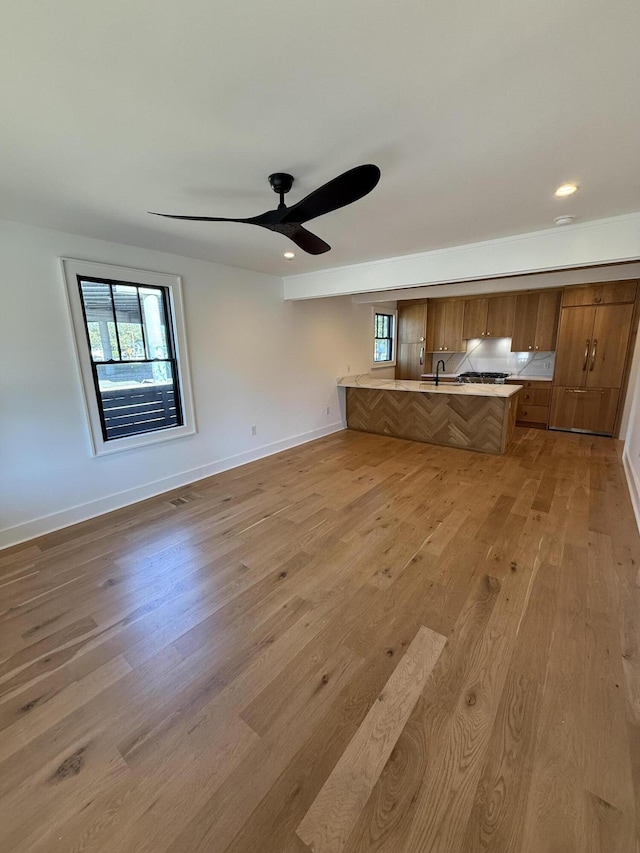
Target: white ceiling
(474, 111)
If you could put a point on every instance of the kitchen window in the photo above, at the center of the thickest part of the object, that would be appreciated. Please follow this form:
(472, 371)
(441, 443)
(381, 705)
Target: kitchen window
(384, 338)
(129, 334)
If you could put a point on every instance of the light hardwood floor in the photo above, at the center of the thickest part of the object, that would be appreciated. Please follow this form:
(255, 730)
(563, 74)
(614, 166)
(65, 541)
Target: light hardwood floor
(361, 644)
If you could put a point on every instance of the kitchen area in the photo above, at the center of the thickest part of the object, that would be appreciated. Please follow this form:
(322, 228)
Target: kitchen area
(556, 358)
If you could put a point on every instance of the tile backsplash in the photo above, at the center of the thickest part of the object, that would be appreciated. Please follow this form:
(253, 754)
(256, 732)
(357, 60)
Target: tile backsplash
(494, 355)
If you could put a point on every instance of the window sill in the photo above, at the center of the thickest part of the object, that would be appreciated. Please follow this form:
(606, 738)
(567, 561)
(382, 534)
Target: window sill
(117, 445)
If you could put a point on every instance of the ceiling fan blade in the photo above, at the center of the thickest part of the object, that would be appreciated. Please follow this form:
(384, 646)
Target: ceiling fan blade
(308, 242)
(343, 190)
(198, 218)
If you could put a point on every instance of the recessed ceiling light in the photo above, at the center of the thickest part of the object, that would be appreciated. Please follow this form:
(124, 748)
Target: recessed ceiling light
(565, 189)
(289, 255)
(564, 220)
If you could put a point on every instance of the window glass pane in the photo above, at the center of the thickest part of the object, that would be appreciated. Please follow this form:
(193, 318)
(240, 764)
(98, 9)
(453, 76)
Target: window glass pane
(155, 323)
(382, 325)
(137, 398)
(382, 350)
(129, 322)
(98, 308)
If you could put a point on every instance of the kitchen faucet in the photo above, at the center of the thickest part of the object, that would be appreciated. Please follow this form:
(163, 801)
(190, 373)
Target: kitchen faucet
(444, 367)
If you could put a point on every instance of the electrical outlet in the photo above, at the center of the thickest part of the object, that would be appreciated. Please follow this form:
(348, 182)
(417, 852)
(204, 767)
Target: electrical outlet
(327, 410)
(254, 429)
(547, 365)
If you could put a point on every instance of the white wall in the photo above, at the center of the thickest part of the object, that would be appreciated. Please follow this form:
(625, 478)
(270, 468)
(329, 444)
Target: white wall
(255, 359)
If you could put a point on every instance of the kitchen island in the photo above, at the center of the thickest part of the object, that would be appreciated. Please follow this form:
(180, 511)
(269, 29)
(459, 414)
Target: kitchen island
(474, 417)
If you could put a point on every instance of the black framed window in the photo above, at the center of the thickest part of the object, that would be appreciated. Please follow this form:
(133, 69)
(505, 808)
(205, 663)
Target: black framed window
(133, 357)
(383, 337)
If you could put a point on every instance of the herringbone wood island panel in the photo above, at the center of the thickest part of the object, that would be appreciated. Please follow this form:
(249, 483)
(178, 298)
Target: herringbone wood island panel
(474, 423)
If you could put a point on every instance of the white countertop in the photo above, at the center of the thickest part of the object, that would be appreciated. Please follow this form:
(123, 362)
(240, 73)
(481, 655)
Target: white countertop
(365, 380)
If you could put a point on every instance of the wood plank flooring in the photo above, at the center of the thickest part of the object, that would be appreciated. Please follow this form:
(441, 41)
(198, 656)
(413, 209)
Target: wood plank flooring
(360, 644)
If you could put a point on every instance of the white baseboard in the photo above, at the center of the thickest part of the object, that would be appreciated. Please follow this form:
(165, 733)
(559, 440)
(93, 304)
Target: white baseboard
(57, 520)
(634, 484)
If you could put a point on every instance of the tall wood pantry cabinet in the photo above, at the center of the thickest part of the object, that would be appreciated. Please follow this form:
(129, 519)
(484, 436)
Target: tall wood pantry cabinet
(412, 325)
(592, 351)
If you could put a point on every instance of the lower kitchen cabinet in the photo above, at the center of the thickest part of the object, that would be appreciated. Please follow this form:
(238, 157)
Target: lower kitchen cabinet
(533, 402)
(535, 396)
(584, 409)
(532, 415)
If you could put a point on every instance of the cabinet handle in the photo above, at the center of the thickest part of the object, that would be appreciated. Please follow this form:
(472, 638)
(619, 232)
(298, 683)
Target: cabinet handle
(422, 356)
(421, 339)
(445, 348)
(593, 353)
(586, 354)
(580, 391)
(530, 347)
(537, 347)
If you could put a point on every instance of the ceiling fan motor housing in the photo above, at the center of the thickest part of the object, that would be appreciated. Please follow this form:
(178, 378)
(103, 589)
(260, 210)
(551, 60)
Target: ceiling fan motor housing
(281, 182)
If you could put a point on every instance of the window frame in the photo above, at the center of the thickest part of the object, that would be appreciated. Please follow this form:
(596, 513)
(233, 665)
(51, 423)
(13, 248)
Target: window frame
(388, 312)
(73, 271)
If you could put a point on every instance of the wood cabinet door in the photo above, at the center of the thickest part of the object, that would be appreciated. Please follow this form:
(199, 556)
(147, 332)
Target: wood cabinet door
(525, 322)
(453, 320)
(603, 293)
(574, 346)
(475, 318)
(535, 396)
(532, 414)
(584, 409)
(435, 326)
(412, 322)
(609, 340)
(547, 321)
(410, 363)
(500, 316)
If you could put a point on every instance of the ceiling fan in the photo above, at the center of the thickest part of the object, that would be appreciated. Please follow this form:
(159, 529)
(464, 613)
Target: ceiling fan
(343, 190)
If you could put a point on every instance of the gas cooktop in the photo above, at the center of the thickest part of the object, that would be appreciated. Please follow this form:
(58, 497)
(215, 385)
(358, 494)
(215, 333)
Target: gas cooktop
(483, 377)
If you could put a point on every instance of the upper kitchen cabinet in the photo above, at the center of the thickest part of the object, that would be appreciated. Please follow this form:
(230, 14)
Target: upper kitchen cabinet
(535, 325)
(603, 293)
(444, 326)
(490, 317)
(475, 318)
(412, 323)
